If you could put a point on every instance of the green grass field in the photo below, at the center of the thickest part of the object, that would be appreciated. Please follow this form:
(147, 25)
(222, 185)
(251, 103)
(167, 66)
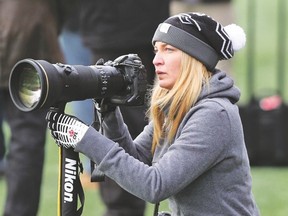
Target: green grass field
(270, 185)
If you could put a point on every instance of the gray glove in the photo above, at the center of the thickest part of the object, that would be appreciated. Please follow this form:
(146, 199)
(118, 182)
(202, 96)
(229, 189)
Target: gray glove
(66, 130)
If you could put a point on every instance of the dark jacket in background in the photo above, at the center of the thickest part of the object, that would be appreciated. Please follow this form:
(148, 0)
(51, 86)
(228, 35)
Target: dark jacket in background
(101, 31)
(29, 29)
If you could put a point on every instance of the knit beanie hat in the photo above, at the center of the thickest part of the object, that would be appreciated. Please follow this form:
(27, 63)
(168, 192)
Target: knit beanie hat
(201, 37)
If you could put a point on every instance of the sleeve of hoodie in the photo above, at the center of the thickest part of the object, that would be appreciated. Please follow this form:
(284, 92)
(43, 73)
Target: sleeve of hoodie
(115, 129)
(198, 146)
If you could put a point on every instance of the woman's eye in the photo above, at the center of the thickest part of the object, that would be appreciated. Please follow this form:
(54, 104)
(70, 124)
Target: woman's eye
(169, 49)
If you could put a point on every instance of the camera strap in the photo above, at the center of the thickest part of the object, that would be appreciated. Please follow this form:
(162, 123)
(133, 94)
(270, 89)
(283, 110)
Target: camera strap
(156, 209)
(96, 174)
(70, 187)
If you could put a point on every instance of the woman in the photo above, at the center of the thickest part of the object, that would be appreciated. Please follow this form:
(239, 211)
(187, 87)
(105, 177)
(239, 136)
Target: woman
(192, 152)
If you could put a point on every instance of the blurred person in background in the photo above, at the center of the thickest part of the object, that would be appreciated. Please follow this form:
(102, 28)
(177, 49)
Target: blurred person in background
(111, 29)
(29, 29)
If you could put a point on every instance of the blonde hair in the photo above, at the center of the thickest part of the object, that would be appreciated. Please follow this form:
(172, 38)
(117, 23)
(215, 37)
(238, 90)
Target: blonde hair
(184, 94)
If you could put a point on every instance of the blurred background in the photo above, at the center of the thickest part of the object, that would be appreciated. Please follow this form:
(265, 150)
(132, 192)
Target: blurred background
(265, 57)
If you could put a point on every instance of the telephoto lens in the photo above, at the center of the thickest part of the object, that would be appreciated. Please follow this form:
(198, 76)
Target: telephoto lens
(36, 84)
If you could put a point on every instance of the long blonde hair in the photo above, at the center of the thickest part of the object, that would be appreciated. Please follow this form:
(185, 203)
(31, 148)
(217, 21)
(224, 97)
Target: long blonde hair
(178, 100)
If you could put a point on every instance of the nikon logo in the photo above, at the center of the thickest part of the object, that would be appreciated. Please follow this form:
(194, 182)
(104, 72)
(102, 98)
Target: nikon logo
(69, 178)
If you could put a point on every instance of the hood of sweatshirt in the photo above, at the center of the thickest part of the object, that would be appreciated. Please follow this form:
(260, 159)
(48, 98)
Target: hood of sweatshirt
(220, 86)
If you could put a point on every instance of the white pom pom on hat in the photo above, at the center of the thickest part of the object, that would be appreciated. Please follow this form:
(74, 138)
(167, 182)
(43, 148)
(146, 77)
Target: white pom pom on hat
(237, 36)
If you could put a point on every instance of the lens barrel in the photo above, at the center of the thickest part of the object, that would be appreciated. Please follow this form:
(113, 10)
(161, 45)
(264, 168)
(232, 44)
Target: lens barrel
(36, 84)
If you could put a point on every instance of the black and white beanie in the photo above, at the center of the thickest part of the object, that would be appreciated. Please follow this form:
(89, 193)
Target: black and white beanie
(201, 37)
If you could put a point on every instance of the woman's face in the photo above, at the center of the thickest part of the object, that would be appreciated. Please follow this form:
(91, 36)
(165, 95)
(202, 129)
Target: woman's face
(167, 62)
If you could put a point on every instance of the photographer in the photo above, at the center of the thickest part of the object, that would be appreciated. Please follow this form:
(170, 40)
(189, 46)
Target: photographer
(192, 152)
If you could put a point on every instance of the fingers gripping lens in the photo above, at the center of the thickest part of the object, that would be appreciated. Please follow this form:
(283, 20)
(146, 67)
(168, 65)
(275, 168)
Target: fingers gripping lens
(66, 130)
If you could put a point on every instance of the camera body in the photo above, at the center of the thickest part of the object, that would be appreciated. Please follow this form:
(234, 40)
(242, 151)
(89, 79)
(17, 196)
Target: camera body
(36, 84)
(135, 78)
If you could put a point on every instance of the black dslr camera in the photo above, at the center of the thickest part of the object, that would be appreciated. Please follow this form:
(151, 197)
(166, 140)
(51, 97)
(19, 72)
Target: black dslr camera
(36, 84)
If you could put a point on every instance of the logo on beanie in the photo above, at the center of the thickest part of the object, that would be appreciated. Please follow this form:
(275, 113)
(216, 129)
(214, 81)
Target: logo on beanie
(187, 19)
(164, 27)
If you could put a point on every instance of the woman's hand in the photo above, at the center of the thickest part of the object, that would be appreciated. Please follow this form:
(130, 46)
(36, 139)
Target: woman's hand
(66, 130)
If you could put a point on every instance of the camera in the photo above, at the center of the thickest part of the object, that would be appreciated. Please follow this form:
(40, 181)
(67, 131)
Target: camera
(36, 84)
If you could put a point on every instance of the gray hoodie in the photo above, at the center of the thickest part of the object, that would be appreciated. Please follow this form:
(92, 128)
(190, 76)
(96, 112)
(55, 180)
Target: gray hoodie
(205, 171)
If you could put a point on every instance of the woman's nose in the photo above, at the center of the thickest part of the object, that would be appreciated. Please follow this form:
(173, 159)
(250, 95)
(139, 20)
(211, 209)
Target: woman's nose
(157, 59)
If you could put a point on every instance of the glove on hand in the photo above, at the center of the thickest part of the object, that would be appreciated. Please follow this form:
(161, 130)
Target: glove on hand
(104, 106)
(65, 129)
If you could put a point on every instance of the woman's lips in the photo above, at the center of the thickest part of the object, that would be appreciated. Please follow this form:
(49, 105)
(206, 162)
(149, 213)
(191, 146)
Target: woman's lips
(159, 72)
